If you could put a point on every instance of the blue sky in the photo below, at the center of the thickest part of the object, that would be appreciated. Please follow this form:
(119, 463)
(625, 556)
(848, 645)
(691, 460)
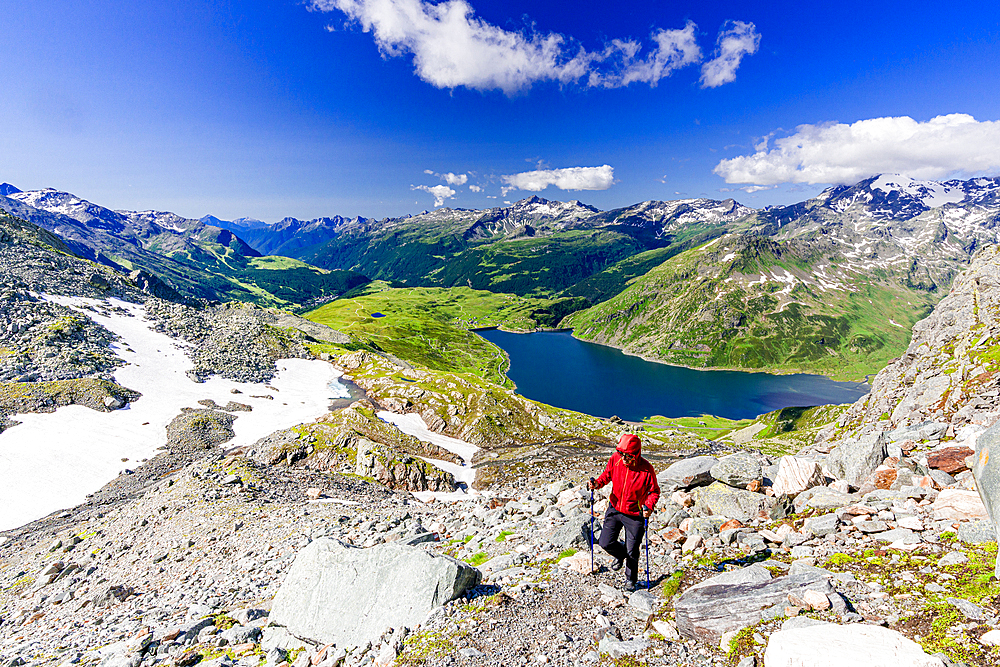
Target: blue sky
(385, 107)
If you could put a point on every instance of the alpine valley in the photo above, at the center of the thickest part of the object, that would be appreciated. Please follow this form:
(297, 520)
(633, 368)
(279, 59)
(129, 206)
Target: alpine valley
(245, 444)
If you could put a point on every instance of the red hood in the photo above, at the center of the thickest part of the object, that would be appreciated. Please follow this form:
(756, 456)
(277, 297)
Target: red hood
(629, 444)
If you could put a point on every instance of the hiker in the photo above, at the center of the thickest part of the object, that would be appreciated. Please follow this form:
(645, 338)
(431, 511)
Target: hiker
(634, 493)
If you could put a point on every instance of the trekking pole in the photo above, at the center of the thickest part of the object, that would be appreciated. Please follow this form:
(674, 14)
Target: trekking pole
(647, 553)
(591, 525)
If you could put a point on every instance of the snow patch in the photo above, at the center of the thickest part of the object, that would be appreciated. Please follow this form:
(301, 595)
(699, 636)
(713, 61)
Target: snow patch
(413, 424)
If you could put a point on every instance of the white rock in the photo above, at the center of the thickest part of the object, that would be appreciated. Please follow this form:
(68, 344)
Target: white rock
(816, 600)
(682, 498)
(911, 522)
(857, 645)
(991, 638)
(959, 505)
(840, 485)
(667, 630)
(691, 543)
(579, 563)
(796, 475)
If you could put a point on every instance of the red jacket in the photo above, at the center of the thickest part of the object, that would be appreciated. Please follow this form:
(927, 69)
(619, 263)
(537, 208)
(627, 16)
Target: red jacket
(630, 488)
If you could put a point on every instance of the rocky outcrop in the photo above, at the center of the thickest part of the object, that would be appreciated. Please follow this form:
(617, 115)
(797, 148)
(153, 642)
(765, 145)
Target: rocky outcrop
(100, 395)
(399, 471)
(199, 429)
(336, 593)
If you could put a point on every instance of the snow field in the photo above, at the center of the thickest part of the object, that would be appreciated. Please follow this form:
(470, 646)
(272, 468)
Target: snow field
(52, 461)
(413, 424)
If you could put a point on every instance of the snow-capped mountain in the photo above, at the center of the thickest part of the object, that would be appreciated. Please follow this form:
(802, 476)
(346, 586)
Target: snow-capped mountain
(890, 222)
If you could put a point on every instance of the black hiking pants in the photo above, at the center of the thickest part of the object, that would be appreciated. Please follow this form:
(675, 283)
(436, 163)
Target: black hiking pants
(635, 529)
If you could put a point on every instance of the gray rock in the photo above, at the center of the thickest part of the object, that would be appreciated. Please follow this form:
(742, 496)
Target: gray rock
(800, 622)
(748, 661)
(737, 470)
(241, 634)
(970, 610)
(821, 526)
(976, 532)
(694, 471)
(872, 526)
(723, 500)
(572, 533)
(342, 594)
(617, 649)
(953, 558)
(706, 526)
(822, 498)
(802, 551)
(987, 473)
(901, 535)
(707, 612)
(752, 574)
(941, 478)
(854, 459)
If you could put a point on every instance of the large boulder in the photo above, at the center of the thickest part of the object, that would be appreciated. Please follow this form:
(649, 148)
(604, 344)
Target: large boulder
(986, 470)
(857, 645)
(337, 593)
(737, 470)
(706, 612)
(686, 473)
(854, 459)
(720, 499)
(960, 505)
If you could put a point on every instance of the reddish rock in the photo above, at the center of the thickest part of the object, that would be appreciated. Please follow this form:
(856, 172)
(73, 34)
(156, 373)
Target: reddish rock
(754, 485)
(950, 459)
(671, 534)
(883, 479)
(730, 525)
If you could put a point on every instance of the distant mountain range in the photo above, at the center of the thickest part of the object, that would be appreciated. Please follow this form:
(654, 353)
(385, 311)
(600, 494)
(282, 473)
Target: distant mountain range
(832, 282)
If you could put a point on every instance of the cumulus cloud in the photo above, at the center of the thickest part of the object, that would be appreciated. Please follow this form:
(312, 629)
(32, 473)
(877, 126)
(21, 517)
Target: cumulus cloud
(455, 179)
(738, 40)
(451, 47)
(757, 188)
(841, 153)
(440, 192)
(571, 178)
(475, 188)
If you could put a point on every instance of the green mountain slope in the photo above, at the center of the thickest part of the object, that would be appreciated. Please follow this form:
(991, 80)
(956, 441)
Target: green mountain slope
(429, 326)
(751, 302)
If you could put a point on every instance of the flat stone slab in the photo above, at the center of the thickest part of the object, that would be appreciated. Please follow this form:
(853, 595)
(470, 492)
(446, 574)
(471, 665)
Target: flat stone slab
(338, 593)
(707, 612)
(856, 645)
(949, 459)
(959, 505)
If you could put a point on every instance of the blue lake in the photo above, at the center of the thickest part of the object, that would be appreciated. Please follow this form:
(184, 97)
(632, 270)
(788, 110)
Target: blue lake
(557, 369)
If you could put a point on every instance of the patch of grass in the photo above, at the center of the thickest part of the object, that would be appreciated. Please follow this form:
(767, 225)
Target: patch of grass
(503, 535)
(838, 560)
(420, 647)
(477, 559)
(672, 585)
(566, 553)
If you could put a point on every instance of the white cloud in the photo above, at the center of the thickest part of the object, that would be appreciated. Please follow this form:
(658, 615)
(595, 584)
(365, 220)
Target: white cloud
(757, 188)
(440, 192)
(451, 47)
(740, 39)
(674, 49)
(475, 188)
(572, 178)
(840, 153)
(455, 179)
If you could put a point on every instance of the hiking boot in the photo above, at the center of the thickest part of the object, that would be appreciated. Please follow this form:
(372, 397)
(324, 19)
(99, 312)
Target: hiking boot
(617, 565)
(629, 587)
